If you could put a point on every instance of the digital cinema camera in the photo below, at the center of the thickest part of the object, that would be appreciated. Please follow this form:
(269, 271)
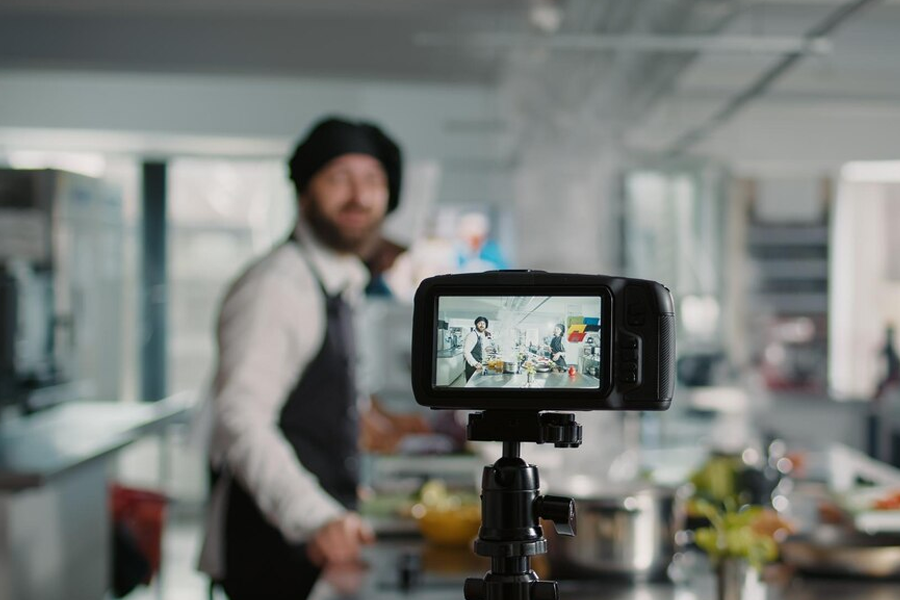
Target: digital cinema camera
(555, 342)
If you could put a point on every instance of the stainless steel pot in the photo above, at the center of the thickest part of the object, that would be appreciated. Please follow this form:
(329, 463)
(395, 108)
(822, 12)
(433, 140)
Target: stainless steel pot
(510, 367)
(623, 531)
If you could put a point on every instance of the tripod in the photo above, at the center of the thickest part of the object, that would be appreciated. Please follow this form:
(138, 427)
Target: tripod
(511, 504)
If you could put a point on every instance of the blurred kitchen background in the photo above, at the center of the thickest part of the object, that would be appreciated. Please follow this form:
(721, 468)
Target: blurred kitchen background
(744, 152)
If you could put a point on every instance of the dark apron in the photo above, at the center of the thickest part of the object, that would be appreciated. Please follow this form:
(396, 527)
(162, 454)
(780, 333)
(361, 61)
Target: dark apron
(320, 421)
(476, 354)
(556, 345)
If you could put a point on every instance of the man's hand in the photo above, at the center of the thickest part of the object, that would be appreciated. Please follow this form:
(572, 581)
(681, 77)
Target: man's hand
(376, 432)
(479, 367)
(339, 541)
(346, 579)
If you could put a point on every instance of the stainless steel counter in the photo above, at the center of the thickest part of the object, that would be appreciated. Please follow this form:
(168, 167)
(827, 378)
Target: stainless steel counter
(444, 572)
(541, 380)
(37, 448)
(54, 521)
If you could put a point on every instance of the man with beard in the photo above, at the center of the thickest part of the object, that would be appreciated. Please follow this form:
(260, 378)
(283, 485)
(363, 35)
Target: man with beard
(473, 347)
(285, 426)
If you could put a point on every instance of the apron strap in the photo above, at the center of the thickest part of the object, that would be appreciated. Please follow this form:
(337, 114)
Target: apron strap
(312, 268)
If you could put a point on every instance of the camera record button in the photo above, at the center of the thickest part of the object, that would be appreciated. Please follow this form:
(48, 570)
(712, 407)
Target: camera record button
(629, 354)
(630, 377)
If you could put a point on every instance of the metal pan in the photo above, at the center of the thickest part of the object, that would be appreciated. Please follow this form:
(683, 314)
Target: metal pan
(832, 551)
(625, 531)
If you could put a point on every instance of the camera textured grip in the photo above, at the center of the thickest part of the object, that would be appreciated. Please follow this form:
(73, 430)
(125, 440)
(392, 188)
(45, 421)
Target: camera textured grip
(666, 357)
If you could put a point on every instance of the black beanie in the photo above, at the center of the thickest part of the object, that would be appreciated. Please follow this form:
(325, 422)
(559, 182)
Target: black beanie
(486, 322)
(332, 137)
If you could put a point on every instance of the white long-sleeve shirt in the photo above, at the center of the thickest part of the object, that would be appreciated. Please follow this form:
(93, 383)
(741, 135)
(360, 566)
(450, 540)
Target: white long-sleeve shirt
(469, 345)
(271, 326)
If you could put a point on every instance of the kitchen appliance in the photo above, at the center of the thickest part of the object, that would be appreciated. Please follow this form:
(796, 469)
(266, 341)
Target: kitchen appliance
(443, 336)
(625, 531)
(61, 275)
(456, 337)
(510, 366)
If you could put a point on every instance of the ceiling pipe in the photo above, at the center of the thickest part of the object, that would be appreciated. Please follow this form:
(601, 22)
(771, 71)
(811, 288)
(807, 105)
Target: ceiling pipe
(634, 43)
(765, 81)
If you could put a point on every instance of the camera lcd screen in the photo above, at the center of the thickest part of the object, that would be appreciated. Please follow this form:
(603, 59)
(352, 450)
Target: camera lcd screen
(518, 342)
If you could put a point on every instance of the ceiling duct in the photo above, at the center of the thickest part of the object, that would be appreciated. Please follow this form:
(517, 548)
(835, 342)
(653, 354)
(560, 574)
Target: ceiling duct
(632, 43)
(765, 81)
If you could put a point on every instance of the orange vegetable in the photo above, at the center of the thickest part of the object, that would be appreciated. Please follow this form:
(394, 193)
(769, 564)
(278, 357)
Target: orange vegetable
(889, 502)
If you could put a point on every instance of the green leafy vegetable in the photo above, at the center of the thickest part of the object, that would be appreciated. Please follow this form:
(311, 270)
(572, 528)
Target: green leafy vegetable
(733, 534)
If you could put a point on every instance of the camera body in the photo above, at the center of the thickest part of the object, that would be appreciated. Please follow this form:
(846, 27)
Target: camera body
(616, 350)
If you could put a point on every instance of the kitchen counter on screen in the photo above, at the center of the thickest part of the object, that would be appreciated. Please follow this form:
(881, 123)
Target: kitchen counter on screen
(541, 380)
(39, 447)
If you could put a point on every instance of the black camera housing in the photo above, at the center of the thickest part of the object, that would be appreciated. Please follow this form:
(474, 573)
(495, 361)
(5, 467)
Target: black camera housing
(637, 342)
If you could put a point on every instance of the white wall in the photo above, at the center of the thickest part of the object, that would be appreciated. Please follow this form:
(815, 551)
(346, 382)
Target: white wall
(251, 116)
(865, 298)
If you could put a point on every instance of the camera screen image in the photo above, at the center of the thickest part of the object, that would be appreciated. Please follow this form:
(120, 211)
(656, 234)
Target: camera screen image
(522, 342)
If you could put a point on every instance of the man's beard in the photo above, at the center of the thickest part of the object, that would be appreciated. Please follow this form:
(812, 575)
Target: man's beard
(331, 234)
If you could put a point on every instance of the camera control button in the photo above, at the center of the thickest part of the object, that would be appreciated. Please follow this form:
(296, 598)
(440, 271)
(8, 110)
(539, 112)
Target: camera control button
(629, 366)
(628, 342)
(630, 377)
(628, 354)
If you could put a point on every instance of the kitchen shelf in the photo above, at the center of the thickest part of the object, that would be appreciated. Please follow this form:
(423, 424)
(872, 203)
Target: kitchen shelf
(787, 235)
(793, 303)
(786, 300)
(802, 268)
(790, 263)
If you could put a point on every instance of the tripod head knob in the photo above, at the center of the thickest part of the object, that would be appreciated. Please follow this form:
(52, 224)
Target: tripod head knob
(558, 509)
(561, 430)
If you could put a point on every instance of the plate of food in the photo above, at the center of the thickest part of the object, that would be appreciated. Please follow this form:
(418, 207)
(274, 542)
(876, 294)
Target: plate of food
(874, 509)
